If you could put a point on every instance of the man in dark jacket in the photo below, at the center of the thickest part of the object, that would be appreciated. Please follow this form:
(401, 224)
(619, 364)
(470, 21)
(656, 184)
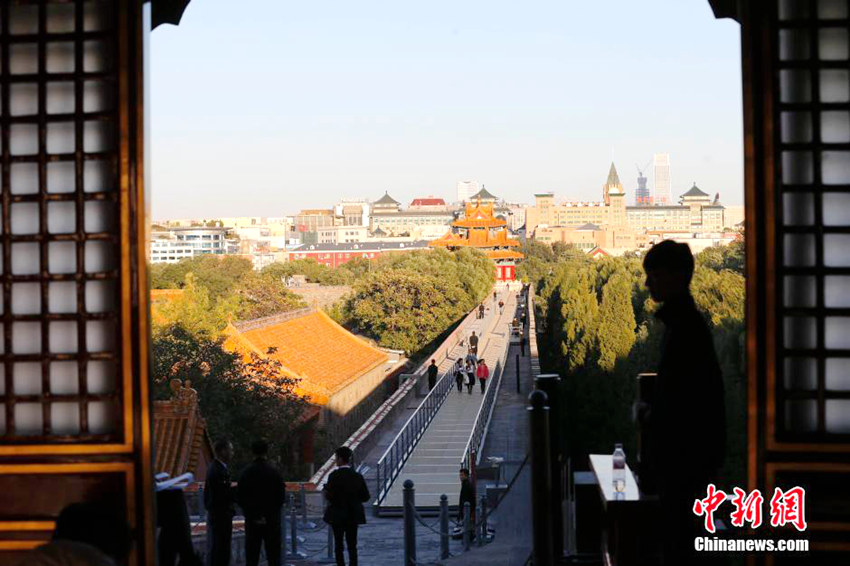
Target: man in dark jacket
(432, 374)
(261, 495)
(686, 421)
(467, 495)
(473, 343)
(218, 500)
(346, 493)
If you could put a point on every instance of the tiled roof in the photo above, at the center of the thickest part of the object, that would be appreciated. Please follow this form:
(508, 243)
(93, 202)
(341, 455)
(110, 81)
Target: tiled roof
(361, 247)
(428, 201)
(589, 226)
(695, 192)
(180, 435)
(386, 199)
(312, 347)
(483, 194)
(504, 254)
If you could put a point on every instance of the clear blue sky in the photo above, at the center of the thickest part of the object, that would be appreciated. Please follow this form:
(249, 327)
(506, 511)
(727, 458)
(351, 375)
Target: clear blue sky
(265, 110)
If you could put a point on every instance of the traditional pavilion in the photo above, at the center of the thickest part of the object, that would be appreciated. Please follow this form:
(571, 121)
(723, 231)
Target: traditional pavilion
(480, 228)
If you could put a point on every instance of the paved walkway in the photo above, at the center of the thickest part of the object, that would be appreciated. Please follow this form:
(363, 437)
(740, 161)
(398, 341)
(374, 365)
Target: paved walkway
(433, 465)
(508, 439)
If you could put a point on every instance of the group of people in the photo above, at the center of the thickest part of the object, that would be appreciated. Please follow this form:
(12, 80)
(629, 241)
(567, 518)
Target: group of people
(467, 370)
(260, 493)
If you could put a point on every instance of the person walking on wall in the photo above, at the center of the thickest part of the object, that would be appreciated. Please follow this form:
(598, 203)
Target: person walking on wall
(501, 307)
(432, 374)
(261, 494)
(521, 343)
(481, 310)
(483, 374)
(346, 492)
(457, 372)
(470, 377)
(218, 501)
(473, 343)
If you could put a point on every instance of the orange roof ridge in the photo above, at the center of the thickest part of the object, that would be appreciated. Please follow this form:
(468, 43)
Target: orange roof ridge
(313, 347)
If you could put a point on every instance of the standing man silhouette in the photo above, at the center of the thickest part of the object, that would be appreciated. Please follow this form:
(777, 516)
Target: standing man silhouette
(261, 494)
(686, 425)
(432, 374)
(467, 495)
(218, 500)
(473, 343)
(346, 493)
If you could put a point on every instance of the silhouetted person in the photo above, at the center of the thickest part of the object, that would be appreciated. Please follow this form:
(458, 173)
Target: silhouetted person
(346, 493)
(261, 494)
(481, 310)
(459, 374)
(86, 534)
(473, 343)
(175, 530)
(467, 495)
(432, 374)
(218, 500)
(686, 422)
(522, 343)
(483, 374)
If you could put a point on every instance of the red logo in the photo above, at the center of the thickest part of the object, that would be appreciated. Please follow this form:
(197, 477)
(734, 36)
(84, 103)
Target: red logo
(786, 507)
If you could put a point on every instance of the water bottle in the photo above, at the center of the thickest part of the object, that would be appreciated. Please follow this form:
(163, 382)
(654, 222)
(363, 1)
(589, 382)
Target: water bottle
(619, 472)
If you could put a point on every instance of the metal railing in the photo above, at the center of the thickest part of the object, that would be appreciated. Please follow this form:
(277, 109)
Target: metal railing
(472, 452)
(392, 461)
(402, 446)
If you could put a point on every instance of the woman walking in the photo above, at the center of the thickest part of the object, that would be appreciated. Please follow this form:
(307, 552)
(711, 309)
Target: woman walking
(459, 375)
(470, 377)
(483, 373)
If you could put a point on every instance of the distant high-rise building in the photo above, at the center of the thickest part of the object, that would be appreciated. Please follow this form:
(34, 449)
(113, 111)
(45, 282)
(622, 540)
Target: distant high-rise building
(642, 197)
(661, 195)
(465, 190)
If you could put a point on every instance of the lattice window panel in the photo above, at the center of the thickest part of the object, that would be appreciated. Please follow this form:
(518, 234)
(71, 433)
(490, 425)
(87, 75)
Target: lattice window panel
(812, 110)
(60, 344)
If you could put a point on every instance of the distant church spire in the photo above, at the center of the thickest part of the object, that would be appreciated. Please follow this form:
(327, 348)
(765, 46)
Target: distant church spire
(613, 178)
(612, 185)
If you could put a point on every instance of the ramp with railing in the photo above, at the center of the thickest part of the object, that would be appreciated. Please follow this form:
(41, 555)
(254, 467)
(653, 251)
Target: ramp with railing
(447, 429)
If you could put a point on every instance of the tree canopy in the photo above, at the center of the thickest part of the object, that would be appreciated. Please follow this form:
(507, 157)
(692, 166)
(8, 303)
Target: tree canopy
(599, 333)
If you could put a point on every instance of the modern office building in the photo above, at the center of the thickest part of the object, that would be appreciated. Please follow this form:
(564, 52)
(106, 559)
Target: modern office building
(465, 190)
(180, 243)
(661, 166)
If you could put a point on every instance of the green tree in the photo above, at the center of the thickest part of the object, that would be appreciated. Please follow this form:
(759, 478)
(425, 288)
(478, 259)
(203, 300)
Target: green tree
(616, 330)
(258, 295)
(241, 400)
(195, 311)
(404, 309)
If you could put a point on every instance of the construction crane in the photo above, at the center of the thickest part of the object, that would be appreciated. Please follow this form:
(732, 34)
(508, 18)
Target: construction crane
(642, 193)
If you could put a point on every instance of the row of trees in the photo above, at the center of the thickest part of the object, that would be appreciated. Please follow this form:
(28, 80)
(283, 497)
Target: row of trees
(600, 333)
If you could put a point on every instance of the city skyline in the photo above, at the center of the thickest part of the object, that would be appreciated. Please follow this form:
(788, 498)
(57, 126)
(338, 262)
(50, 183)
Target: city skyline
(414, 101)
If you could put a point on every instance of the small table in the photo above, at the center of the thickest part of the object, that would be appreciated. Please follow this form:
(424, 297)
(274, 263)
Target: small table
(628, 516)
